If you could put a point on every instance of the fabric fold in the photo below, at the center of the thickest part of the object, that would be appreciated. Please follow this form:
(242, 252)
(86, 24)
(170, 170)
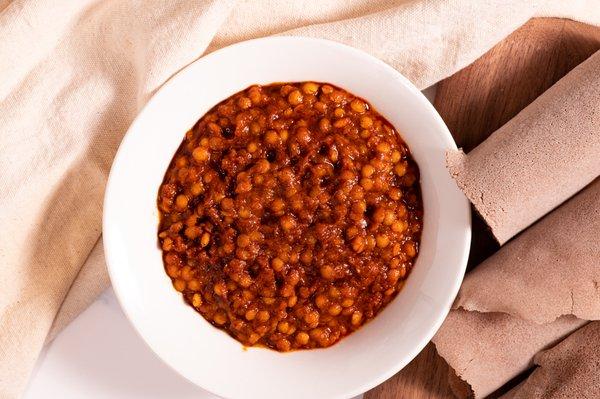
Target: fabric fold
(90, 282)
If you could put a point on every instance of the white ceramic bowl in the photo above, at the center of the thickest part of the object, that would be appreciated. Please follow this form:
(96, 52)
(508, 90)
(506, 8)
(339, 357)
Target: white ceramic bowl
(208, 356)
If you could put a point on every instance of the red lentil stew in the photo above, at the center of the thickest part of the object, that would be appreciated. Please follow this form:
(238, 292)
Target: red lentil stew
(291, 214)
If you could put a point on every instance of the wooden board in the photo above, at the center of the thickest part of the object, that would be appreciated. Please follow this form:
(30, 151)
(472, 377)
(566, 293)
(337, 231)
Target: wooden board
(474, 103)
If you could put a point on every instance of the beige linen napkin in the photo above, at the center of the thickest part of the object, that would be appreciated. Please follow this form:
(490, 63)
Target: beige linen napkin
(75, 74)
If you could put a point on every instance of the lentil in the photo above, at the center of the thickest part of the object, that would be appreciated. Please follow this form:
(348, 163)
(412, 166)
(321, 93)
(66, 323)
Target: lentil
(291, 215)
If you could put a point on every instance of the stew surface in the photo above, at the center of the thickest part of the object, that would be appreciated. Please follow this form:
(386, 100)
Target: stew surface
(290, 215)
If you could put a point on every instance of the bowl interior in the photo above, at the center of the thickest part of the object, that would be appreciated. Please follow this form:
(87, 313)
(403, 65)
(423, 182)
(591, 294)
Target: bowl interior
(209, 357)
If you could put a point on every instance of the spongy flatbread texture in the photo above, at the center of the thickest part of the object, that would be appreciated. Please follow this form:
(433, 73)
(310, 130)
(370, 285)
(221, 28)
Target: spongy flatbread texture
(488, 349)
(571, 369)
(549, 270)
(537, 160)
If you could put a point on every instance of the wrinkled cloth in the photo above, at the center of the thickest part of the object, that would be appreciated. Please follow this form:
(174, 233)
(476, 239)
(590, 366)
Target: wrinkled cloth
(76, 73)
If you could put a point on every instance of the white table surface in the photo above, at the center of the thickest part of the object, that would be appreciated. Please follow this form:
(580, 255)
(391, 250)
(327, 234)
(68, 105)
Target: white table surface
(100, 356)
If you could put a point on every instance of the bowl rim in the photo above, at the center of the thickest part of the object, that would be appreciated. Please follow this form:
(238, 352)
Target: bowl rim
(109, 251)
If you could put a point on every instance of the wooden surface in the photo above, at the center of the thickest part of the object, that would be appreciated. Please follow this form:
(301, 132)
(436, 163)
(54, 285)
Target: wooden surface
(474, 103)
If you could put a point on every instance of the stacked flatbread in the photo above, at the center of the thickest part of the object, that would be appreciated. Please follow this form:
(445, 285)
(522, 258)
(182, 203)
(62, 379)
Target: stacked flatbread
(544, 284)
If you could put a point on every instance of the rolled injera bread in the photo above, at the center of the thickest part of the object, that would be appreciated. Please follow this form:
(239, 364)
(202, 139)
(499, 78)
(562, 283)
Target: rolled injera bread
(569, 370)
(549, 270)
(486, 350)
(541, 157)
